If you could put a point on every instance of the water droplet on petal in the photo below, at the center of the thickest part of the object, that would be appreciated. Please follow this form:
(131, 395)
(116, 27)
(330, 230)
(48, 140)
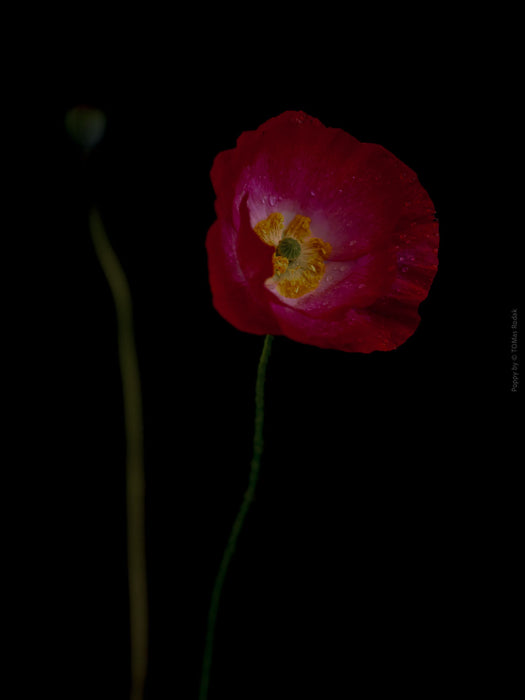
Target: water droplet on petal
(272, 199)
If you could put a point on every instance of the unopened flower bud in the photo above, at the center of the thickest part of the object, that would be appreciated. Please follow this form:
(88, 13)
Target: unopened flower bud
(85, 125)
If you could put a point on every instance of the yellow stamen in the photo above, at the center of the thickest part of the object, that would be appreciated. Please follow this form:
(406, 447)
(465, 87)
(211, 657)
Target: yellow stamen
(299, 228)
(270, 230)
(280, 264)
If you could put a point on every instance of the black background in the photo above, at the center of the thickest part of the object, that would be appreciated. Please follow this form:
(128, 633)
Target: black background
(378, 555)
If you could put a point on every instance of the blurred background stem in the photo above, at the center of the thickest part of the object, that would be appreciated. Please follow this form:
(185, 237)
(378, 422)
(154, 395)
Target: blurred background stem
(135, 491)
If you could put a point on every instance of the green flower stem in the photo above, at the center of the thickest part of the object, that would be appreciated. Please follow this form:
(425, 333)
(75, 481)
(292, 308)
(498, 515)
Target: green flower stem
(135, 495)
(237, 525)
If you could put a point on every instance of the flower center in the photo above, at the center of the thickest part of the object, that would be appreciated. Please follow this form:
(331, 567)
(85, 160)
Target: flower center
(289, 248)
(298, 260)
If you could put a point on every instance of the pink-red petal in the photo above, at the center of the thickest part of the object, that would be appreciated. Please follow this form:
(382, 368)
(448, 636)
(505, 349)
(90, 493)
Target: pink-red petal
(361, 199)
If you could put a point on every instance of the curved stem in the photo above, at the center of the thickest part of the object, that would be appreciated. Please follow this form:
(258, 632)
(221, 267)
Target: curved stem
(135, 495)
(237, 525)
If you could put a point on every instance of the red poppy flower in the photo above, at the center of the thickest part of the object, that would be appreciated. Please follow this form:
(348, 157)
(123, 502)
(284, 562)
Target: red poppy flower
(319, 237)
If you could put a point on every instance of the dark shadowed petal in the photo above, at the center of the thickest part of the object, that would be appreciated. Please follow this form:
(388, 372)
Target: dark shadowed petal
(232, 296)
